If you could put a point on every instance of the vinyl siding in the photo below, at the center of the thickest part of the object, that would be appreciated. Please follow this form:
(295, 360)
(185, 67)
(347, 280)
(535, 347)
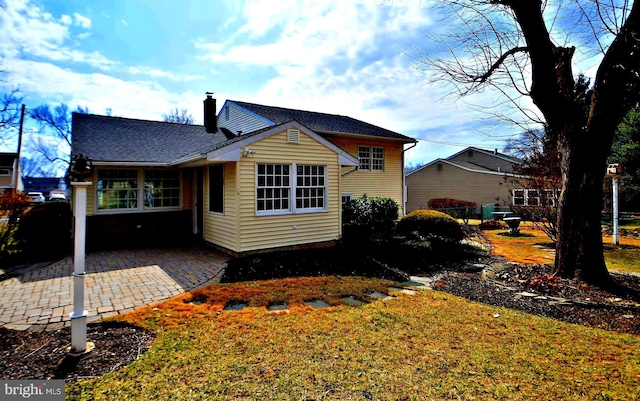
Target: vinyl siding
(456, 183)
(239, 120)
(221, 228)
(261, 232)
(387, 183)
(484, 160)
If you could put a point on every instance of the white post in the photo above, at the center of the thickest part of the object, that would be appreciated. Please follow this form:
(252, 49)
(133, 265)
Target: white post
(616, 239)
(79, 315)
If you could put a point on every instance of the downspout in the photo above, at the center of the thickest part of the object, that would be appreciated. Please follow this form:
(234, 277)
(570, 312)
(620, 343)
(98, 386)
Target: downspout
(404, 184)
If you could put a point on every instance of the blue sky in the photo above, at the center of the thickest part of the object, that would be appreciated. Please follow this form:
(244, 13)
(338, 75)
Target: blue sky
(143, 58)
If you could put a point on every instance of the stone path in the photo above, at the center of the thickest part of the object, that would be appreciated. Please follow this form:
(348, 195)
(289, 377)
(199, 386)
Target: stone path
(41, 296)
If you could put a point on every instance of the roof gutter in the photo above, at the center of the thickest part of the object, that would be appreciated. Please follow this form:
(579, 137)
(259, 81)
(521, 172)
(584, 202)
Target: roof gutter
(349, 134)
(130, 164)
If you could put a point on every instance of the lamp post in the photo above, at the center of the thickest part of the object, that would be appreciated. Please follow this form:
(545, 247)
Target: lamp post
(79, 171)
(614, 170)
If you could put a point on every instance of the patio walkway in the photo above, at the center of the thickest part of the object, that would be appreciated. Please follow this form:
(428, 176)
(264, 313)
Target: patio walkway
(117, 282)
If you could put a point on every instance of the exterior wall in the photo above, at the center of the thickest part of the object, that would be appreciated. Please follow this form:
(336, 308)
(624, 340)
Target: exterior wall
(221, 228)
(239, 120)
(6, 181)
(484, 160)
(276, 231)
(387, 183)
(456, 183)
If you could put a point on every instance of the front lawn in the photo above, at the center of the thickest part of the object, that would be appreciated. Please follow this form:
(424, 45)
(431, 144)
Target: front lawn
(431, 345)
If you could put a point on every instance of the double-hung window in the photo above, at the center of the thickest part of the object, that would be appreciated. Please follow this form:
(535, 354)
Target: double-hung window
(310, 187)
(290, 188)
(371, 158)
(274, 188)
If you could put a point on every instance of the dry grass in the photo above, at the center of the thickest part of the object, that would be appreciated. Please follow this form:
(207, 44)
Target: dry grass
(532, 247)
(430, 346)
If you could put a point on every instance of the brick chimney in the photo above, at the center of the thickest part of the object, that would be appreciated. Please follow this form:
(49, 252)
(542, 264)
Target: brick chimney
(210, 120)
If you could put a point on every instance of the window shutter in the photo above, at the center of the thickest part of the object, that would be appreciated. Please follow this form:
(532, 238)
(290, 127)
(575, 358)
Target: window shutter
(293, 136)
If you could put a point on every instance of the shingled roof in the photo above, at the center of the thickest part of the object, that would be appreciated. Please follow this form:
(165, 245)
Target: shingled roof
(116, 139)
(321, 122)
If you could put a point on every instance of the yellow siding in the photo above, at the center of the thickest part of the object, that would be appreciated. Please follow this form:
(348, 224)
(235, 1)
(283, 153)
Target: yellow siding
(386, 184)
(456, 183)
(220, 228)
(261, 232)
(91, 196)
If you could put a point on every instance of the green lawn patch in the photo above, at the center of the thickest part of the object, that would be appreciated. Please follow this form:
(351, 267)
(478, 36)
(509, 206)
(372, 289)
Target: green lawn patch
(428, 346)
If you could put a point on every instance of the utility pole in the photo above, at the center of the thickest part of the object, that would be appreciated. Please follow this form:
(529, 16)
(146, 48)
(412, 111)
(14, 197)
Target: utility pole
(17, 169)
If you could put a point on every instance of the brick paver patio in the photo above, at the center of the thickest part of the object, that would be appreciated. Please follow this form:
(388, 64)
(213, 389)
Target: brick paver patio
(116, 282)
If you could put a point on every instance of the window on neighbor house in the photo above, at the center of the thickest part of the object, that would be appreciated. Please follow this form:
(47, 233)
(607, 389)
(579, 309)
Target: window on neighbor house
(216, 188)
(533, 197)
(371, 158)
(310, 187)
(518, 197)
(5, 172)
(117, 189)
(161, 188)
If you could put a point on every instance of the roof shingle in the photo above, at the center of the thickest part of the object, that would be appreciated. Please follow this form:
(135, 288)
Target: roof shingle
(321, 122)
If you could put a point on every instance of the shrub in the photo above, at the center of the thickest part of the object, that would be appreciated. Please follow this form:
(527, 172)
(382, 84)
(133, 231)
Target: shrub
(44, 231)
(365, 219)
(430, 224)
(456, 208)
(12, 207)
(492, 225)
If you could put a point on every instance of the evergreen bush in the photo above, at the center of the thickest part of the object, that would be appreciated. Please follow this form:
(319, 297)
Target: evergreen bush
(430, 225)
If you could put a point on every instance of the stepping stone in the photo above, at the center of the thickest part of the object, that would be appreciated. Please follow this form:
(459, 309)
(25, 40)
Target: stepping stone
(402, 290)
(380, 295)
(235, 306)
(526, 294)
(416, 281)
(277, 308)
(351, 300)
(317, 304)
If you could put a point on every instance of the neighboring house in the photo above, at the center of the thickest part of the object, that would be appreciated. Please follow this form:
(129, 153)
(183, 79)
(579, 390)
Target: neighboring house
(277, 184)
(473, 174)
(46, 185)
(10, 179)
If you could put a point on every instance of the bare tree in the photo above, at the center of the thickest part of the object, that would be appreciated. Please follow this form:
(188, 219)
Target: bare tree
(525, 50)
(181, 116)
(57, 120)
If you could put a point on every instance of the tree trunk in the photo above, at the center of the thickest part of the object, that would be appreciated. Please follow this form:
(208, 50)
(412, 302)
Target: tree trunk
(579, 248)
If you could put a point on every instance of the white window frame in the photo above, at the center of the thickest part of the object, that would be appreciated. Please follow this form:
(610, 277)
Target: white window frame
(541, 197)
(311, 187)
(293, 176)
(266, 187)
(140, 194)
(368, 159)
(5, 172)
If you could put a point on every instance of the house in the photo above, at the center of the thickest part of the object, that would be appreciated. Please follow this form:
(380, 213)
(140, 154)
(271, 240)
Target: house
(473, 174)
(10, 179)
(253, 178)
(46, 185)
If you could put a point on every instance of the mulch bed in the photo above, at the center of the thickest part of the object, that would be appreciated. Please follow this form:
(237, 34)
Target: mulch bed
(616, 309)
(43, 354)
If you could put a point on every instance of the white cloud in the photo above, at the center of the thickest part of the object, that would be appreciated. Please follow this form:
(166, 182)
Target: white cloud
(124, 22)
(82, 21)
(66, 20)
(151, 72)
